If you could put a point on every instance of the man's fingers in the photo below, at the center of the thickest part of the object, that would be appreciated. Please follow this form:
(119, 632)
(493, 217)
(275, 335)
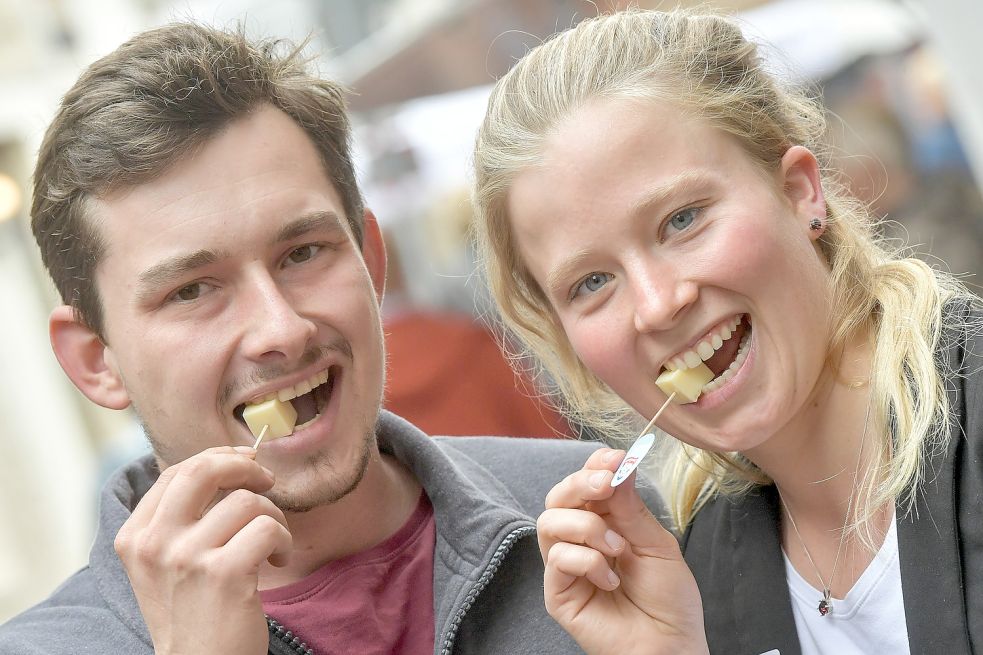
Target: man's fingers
(196, 481)
(263, 538)
(229, 515)
(147, 507)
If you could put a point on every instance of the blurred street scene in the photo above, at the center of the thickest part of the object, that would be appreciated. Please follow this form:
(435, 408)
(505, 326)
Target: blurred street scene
(899, 79)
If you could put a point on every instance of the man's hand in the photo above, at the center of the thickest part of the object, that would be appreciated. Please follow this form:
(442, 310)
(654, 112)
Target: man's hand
(193, 548)
(615, 578)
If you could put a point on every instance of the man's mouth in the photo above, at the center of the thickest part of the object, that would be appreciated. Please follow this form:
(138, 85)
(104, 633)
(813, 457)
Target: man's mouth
(723, 351)
(308, 398)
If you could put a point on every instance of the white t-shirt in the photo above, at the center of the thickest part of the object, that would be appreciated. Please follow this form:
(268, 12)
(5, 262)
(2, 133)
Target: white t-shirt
(870, 619)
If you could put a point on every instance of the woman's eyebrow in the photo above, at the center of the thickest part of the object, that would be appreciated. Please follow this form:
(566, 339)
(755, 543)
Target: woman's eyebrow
(556, 279)
(674, 186)
(641, 209)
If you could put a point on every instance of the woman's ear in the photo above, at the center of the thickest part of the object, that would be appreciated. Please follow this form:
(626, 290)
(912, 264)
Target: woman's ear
(374, 253)
(802, 184)
(89, 363)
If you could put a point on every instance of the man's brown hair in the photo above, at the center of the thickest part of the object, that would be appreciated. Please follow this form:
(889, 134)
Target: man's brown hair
(140, 109)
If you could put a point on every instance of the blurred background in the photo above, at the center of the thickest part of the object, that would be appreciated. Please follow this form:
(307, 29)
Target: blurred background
(899, 77)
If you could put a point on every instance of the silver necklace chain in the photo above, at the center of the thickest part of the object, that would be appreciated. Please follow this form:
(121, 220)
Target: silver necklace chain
(826, 602)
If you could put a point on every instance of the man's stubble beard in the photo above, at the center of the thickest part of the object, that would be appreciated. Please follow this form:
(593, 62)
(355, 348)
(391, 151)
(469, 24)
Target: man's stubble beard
(329, 484)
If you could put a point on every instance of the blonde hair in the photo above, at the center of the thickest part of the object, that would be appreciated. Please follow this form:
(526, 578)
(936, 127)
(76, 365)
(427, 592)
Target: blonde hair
(703, 65)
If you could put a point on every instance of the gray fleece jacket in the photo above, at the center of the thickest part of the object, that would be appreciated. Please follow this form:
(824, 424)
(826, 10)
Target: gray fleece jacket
(488, 590)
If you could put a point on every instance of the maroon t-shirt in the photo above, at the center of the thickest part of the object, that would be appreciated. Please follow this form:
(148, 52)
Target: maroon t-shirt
(376, 601)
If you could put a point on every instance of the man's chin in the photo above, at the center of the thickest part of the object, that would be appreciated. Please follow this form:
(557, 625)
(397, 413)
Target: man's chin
(328, 483)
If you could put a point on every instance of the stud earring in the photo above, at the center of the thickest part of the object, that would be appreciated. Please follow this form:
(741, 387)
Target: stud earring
(816, 224)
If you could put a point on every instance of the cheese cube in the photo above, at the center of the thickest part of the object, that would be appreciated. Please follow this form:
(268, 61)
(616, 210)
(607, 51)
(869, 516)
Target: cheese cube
(279, 415)
(687, 383)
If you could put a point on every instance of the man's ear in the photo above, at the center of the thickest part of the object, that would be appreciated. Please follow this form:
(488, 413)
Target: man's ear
(374, 253)
(87, 361)
(803, 184)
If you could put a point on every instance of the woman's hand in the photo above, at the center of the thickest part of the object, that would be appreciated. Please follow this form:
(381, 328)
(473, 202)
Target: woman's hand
(615, 578)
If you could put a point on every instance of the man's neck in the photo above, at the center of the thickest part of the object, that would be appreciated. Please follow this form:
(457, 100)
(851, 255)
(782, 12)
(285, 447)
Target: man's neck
(380, 505)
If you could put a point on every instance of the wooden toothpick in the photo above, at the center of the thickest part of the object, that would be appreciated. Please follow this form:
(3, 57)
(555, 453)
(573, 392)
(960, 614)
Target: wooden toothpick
(659, 413)
(262, 433)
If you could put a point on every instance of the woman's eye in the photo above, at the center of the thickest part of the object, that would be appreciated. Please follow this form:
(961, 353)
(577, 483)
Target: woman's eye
(302, 254)
(683, 219)
(592, 283)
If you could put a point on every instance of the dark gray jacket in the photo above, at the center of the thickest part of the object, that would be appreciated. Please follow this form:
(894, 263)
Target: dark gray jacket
(734, 551)
(488, 576)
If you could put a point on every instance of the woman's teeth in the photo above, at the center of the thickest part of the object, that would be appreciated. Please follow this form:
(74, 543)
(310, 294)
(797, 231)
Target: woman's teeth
(721, 379)
(706, 347)
(704, 350)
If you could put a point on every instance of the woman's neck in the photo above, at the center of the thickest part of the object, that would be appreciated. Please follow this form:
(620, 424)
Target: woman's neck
(814, 458)
(819, 462)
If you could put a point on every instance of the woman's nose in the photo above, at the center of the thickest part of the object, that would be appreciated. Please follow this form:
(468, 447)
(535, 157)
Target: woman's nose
(662, 295)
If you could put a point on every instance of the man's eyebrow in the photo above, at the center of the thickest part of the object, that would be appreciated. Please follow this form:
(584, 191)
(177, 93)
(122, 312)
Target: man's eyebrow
(164, 272)
(653, 198)
(312, 222)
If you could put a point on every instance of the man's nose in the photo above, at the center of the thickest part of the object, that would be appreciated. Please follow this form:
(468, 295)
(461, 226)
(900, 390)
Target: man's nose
(275, 327)
(662, 294)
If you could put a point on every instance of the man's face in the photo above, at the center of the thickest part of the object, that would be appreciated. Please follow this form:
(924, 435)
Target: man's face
(235, 276)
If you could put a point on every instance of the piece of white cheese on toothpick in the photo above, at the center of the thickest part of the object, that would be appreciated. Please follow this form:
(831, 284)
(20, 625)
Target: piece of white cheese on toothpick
(279, 415)
(686, 383)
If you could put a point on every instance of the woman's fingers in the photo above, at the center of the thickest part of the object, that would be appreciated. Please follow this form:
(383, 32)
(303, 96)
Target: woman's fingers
(577, 527)
(591, 483)
(566, 563)
(626, 513)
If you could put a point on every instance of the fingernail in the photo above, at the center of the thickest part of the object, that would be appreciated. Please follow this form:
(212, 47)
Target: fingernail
(244, 450)
(597, 479)
(267, 471)
(608, 456)
(613, 539)
(613, 579)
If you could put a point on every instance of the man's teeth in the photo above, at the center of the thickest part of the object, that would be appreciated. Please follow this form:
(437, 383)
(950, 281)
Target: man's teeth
(706, 347)
(304, 425)
(299, 389)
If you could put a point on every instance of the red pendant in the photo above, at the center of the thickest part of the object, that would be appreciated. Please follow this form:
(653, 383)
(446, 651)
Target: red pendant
(823, 607)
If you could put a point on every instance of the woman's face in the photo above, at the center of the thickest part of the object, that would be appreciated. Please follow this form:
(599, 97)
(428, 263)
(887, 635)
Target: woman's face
(654, 235)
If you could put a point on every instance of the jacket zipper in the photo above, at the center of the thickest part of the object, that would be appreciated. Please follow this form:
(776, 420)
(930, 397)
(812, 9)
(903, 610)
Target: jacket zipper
(293, 642)
(486, 576)
(297, 646)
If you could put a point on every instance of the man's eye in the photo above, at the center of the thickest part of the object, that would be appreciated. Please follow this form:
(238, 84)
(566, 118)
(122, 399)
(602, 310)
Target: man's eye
(301, 254)
(591, 284)
(189, 292)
